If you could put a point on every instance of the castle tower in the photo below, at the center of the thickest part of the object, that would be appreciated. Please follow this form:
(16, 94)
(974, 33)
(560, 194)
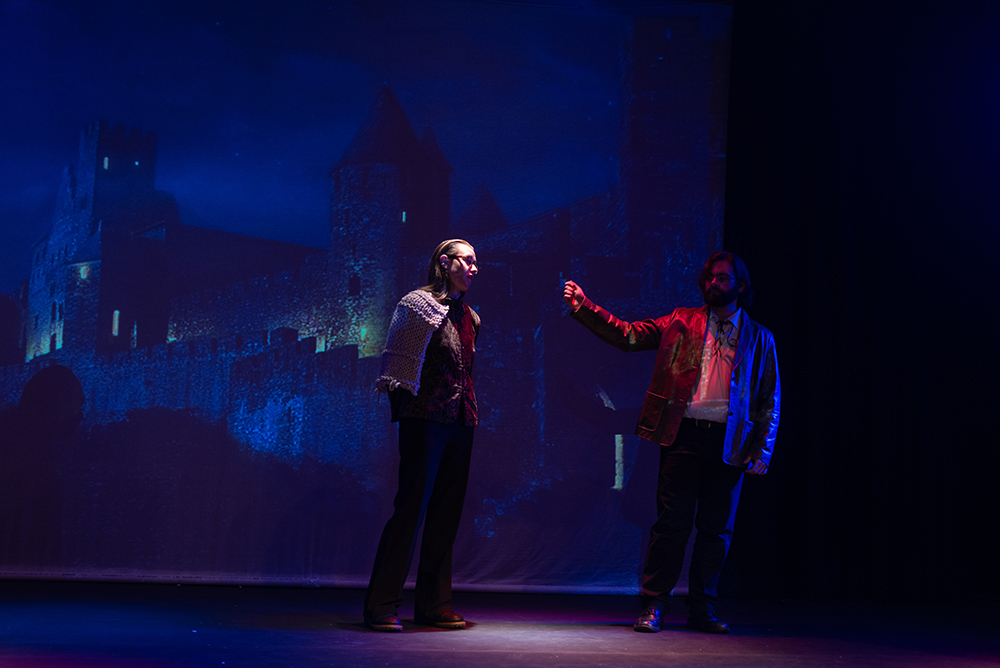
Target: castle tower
(481, 218)
(107, 195)
(390, 207)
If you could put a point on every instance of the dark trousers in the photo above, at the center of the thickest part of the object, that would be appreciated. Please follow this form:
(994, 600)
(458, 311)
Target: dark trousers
(692, 474)
(433, 476)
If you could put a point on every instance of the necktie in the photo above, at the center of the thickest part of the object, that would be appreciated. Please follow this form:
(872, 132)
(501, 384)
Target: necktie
(722, 336)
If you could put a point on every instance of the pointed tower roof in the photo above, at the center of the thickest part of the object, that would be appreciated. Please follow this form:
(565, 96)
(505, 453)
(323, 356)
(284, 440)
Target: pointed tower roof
(386, 136)
(433, 151)
(483, 215)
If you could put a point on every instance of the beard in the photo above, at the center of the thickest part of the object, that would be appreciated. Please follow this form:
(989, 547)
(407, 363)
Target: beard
(716, 296)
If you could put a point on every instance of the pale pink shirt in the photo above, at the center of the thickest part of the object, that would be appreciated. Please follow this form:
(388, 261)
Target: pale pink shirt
(711, 399)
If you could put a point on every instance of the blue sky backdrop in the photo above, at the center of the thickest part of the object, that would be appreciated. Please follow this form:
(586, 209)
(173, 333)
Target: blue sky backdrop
(254, 102)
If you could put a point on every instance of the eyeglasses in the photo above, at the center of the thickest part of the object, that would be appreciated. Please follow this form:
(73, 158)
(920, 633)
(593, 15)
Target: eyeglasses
(465, 259)
(721, 279)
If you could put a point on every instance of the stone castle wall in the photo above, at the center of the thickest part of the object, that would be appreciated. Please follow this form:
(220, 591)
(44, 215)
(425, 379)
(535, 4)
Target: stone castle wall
(275, 393)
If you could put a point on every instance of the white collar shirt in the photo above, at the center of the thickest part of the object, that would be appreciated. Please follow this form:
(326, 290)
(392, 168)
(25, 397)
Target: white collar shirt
(711, 399)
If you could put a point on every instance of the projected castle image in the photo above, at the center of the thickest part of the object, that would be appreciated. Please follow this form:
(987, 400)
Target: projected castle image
(280, 343)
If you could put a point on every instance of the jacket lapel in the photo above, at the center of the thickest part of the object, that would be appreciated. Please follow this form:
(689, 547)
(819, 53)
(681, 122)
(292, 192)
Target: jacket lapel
(746, 333)
(701, 321)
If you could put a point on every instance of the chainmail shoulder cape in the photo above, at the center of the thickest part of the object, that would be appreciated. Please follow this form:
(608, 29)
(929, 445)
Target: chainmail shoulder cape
(416, 317)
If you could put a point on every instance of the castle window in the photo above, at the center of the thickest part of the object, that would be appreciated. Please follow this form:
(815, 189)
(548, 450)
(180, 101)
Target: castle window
(135, 332)
(404, 216)
(84, 272)
(54, 311)
(114, 322)
(136, 163)
(105, 162)
(354, 286)
(52, 343)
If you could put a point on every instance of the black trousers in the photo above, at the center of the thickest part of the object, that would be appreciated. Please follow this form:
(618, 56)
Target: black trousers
(692, 475)
(433, 476)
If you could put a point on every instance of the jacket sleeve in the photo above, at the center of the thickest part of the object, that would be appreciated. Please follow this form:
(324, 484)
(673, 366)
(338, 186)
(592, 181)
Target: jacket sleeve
(628, 336)
(768, 402)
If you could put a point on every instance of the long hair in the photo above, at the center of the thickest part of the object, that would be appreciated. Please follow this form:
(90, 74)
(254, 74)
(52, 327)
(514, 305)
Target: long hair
(742, 276)
(438, 282)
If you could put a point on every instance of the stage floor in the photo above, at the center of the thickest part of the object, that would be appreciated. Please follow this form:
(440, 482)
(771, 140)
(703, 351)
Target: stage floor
(76, 625)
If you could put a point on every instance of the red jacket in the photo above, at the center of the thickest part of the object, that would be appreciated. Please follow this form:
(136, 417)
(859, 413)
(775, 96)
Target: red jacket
(679, 338)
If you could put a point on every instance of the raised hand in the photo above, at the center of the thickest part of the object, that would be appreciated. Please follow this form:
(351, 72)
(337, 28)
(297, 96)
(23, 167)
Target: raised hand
(573, 295)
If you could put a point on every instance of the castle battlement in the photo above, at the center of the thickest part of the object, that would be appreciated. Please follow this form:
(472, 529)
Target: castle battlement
(199, 373)
(282, 342)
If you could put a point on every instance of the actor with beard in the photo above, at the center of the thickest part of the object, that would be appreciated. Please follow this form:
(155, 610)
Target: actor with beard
(712, 406)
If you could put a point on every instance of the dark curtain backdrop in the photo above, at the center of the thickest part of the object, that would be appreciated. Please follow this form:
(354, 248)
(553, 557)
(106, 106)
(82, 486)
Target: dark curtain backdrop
(862, 192)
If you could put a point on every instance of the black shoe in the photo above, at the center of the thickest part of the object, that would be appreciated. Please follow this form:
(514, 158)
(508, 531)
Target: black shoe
(445, 618)
(649, 621)
(386, 623)
(705, 621)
